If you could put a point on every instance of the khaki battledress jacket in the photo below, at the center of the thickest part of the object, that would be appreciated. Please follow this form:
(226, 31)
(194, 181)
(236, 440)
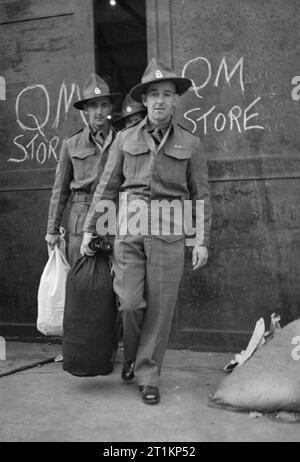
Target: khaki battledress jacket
(79, 169)
(176, 169)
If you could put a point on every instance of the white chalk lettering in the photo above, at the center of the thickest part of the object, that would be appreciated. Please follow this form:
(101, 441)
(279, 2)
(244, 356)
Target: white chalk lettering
(190, 64)
(220, 121)
(195, 65)
(31, 145)
(41, 158)
(246, 117)
(234, 117)
(22, 148)
(228, 77)
(210, 119)
(53, 143)
(41, 148)
(186, 116)
(37, 125)
(32, 151)
(81, 112)
(67, 100)
(220, 128)
(204, 118)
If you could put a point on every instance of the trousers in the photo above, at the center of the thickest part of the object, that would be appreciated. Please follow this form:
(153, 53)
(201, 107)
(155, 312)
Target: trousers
(78, 211)
(147, 275)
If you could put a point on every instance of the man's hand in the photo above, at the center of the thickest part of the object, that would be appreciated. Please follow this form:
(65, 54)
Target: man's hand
(199, 257)
(52, 240)
(84, 249)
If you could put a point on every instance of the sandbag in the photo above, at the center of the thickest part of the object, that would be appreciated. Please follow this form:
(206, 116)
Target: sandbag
(270, 380)
(89, 318)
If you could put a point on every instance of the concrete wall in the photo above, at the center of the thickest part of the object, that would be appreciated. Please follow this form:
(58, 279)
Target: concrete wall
(242, 57)
(46, 52)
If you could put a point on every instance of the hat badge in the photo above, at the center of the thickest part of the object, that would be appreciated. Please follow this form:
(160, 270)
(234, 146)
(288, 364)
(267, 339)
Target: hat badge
(158, 74)
(129, 109)
(97, 91)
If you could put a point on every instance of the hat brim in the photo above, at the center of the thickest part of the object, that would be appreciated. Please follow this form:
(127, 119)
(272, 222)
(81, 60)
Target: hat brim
(114, 97)
(181, 83)
(136, 111)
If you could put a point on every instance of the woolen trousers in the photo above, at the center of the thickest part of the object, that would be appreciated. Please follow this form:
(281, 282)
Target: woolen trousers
(77, 216)
(148, 272)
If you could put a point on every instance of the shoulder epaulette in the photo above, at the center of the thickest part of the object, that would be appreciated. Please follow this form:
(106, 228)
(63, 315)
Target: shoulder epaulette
(131, 126)
(185, 129)
(73, 134)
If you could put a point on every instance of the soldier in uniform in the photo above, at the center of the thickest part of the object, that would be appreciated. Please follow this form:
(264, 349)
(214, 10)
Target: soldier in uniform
(154, 160)
(81, 163)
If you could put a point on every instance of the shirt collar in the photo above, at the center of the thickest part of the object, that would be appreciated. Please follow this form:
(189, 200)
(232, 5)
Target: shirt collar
(143, 125)
(88, 135)
(103, 131)
(150, 127)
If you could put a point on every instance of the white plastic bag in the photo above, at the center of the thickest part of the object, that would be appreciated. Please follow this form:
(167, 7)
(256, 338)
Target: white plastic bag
(51, 293)
(258, 339)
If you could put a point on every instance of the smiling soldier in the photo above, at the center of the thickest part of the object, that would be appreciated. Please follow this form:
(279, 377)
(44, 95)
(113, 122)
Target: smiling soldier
(154, 160)
(81, 163)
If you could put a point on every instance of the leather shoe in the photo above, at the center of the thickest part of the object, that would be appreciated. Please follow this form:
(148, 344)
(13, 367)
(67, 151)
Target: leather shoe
(128, 371)
(150, 395)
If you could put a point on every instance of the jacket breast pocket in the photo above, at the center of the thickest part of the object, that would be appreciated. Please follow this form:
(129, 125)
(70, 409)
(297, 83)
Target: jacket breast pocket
(136, 162)
(84, 164)
(174, 164)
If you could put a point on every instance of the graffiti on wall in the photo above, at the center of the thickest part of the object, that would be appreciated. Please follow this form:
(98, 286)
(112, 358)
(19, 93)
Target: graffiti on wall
(45, 117)
(35, 121)
(236, 118)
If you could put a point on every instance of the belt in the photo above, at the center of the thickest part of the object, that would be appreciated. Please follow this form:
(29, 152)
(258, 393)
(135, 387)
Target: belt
(82, 197)
(129, 196)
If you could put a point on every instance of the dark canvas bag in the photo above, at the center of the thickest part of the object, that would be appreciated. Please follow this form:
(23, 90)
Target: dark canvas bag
(89, 318)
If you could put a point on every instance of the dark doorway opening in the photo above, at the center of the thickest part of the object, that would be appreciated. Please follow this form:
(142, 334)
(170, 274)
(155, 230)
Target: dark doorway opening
(120, 42)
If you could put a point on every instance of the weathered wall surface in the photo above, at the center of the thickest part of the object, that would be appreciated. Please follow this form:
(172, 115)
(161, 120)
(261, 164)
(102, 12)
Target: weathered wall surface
(243, 58)
(47, 51)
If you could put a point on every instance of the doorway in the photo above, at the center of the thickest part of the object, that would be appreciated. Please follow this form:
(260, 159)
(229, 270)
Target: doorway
(120, 42)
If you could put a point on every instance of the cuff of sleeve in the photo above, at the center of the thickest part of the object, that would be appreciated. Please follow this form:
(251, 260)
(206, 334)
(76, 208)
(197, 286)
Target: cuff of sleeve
(89, 228)
(52, 229)
(193, 241)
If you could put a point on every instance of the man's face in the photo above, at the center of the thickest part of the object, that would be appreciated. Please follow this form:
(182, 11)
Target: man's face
(97, 112)
(133, 119)
(160, 101)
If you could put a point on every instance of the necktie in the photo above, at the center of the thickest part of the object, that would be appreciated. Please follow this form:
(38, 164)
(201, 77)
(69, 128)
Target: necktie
(157, 135)
(99, 138)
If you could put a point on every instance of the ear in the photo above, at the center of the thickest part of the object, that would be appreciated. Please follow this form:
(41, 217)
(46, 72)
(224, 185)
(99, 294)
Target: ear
(175, 100)
(144, 100)
(110, 108)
